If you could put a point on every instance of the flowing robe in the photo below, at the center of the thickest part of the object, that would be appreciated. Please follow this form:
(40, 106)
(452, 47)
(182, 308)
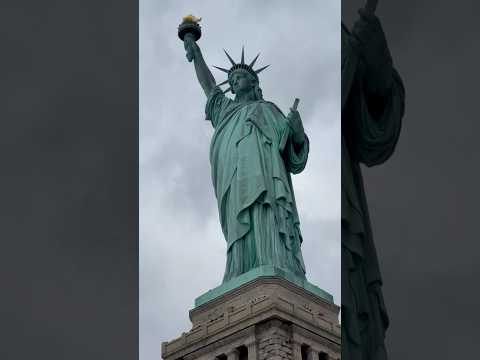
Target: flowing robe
(369, 134)
(251, 157)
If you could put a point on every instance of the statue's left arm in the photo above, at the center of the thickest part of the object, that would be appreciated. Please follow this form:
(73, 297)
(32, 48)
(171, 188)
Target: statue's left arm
(297, 144)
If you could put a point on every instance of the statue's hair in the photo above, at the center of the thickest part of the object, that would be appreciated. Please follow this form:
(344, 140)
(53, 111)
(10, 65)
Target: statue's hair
(257, 91)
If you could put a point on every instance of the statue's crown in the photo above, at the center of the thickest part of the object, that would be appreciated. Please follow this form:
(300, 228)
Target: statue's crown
(240, 66)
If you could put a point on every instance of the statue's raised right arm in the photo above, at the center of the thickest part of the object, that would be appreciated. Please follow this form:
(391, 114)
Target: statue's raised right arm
(373, 96)
(204, 75)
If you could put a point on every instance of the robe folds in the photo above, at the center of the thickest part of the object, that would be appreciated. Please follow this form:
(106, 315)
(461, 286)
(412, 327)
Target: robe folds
(368, 139)
(251, 157)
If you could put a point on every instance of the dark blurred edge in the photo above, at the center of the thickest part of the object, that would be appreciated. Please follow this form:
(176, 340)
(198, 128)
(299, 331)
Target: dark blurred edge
(69, 179)
(423, 202)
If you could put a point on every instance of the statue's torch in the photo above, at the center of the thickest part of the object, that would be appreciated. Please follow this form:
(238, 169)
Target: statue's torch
(191, 29)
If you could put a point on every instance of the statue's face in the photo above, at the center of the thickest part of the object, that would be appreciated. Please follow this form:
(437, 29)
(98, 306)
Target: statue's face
(241, 82)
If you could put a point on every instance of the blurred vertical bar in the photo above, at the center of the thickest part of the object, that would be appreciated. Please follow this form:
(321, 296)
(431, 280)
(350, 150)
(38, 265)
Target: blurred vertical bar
(423, 201)
(69, 180)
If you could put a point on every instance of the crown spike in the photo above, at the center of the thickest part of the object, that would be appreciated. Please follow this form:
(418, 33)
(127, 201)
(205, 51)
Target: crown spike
(223, 83)
(228, 89)
(221, 69)
(261, 69)
(254, 60)
(229, 58)
(242, 61)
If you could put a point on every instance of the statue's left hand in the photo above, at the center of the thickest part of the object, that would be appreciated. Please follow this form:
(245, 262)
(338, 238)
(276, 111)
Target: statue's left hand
(295, 123)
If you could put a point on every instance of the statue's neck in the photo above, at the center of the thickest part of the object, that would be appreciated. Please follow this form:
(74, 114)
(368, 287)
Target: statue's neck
(245, 97)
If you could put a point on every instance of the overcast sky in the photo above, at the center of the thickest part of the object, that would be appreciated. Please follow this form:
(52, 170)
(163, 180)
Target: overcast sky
(182, 249)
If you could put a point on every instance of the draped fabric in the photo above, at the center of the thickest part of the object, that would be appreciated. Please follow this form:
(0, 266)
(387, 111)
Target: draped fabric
(370, 139)
(251, 157)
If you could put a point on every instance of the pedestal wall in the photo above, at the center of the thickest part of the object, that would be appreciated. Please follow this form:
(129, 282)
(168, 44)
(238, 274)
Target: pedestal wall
(266, 318)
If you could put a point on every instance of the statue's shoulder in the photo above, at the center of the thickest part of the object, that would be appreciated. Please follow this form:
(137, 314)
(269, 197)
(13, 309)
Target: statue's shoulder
(270, 106)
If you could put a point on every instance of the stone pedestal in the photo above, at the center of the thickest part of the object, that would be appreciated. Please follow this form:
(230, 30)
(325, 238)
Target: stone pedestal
(268, 317)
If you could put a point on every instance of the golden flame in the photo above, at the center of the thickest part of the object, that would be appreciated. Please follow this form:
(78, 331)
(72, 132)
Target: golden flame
(191, 18)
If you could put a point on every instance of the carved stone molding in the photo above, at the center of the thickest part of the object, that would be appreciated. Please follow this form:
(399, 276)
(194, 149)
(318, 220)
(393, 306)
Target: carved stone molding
(272, 318)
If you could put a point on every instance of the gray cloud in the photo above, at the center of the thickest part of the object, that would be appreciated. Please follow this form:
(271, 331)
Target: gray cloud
(182, 250)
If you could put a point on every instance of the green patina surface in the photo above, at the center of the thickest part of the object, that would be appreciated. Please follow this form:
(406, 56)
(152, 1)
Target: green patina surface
(254, 150)
(262, 271)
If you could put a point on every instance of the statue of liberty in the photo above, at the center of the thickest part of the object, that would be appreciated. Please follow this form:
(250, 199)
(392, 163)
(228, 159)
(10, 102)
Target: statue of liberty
(253, 151)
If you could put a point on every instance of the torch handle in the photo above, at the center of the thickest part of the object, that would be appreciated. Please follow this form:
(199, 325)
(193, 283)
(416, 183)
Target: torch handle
(188, 41)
